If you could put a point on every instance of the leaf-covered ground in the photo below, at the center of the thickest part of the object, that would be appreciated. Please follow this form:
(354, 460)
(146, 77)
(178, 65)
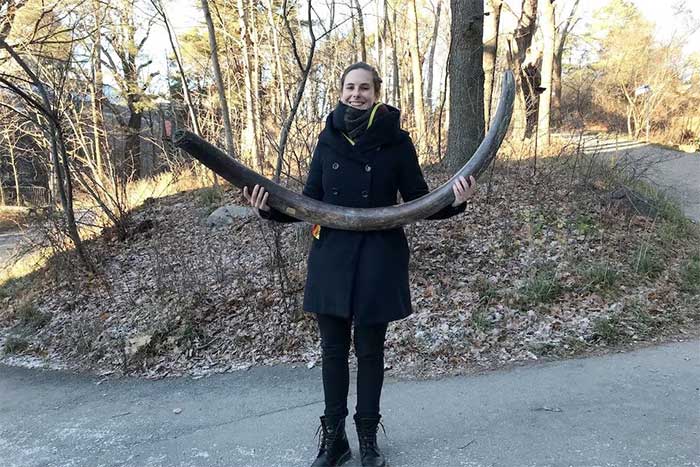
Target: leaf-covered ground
(537, 267)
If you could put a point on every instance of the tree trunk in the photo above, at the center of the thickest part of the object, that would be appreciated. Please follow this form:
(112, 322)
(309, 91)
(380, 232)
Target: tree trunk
(466, 121)
(361, 28)
(132, 147)
(431, 58)
(219, 80)
(519, 42)
(417, 75)
(383, 59)
(548, 27)
(556, 90)
(491, 28)
(396, 89)
(248, 147)
(96, 91)
(15, 174)
(278, 60)
(255, 79)
(378, 35)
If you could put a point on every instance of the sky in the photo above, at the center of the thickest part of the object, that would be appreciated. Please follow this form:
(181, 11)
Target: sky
(185, 14)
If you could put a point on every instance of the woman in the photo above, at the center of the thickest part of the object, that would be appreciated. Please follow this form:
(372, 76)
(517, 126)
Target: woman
(362, 159)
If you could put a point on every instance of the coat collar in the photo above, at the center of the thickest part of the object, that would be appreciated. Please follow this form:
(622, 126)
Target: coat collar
(385, 129)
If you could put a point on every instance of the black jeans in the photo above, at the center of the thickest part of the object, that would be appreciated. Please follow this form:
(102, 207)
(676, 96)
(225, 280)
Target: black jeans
(369, 349)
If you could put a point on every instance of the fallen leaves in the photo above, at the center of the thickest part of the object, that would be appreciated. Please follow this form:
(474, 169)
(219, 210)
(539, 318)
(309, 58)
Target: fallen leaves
(184, 298)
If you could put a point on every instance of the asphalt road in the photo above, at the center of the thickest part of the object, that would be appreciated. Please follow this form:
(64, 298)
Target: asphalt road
(627, 409)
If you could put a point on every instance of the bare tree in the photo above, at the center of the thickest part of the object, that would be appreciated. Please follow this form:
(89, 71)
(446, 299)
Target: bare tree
(11, 134)
(54, 134)
(175, 47)
(248, 146)
(219, 80)
(562, 35)
(361, 28)
(305, 69)
(396, 88)
(417, 75)
(127, 62)
(548, 28)
(276, 53)
(431, 57)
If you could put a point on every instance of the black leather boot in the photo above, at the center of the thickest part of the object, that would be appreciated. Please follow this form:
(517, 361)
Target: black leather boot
(333, 447)
(367, 435)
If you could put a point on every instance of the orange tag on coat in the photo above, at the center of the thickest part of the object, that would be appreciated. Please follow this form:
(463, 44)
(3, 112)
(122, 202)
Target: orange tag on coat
(316, 231)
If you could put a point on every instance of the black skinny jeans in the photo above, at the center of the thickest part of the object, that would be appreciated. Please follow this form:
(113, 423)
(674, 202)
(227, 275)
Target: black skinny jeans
(369, 349)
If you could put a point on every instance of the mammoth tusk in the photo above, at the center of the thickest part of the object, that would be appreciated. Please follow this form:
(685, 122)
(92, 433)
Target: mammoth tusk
(340, 217)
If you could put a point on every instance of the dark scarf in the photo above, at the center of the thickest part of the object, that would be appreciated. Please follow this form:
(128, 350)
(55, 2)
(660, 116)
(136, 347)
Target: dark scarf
(351, 121)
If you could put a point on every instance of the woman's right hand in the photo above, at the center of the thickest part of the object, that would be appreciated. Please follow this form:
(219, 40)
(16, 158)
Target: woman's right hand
(258, 199)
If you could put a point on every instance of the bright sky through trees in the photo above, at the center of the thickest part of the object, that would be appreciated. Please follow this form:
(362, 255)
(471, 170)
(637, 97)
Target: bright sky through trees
(185, 14)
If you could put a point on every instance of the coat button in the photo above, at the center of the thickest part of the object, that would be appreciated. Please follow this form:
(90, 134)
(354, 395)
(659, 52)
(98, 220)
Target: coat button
(368, 168)
(379, 148)
(365, 194)
(335, 191)
(335, 166)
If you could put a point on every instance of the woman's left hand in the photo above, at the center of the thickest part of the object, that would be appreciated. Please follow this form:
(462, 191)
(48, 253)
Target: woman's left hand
(463, 190)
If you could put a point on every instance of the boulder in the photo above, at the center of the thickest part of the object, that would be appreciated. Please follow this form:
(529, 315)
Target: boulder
(226, 215)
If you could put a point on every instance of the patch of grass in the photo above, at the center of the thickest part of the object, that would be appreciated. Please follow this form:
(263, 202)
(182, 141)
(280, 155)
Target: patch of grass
(647, 262)
(30, 317)
(480, 321)
(601, 275)
(542, 287)
(487, 290)
(690, 275)
(15, 345)
(585, 224)
(609, 330)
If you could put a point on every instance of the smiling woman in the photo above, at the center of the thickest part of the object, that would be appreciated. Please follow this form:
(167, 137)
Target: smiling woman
(359, 278)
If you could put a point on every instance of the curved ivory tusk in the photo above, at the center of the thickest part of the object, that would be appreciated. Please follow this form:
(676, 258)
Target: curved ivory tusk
(340, 217)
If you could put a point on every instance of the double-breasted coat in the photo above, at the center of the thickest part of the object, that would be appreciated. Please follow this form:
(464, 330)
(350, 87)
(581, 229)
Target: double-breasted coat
(362, 274)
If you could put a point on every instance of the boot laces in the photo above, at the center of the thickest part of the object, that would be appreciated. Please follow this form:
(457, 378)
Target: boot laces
(327, 436)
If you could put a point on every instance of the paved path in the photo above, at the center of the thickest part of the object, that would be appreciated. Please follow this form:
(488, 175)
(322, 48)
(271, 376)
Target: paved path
(674, 172)
(630, 409)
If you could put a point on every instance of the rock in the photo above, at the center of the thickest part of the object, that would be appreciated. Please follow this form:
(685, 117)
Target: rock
(136, 343)
(226, 215)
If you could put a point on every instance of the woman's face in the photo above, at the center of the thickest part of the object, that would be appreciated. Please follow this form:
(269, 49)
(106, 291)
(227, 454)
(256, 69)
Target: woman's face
(358, 89)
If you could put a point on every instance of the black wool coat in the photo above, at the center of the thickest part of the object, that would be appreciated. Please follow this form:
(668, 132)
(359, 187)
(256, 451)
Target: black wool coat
(352, 274)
